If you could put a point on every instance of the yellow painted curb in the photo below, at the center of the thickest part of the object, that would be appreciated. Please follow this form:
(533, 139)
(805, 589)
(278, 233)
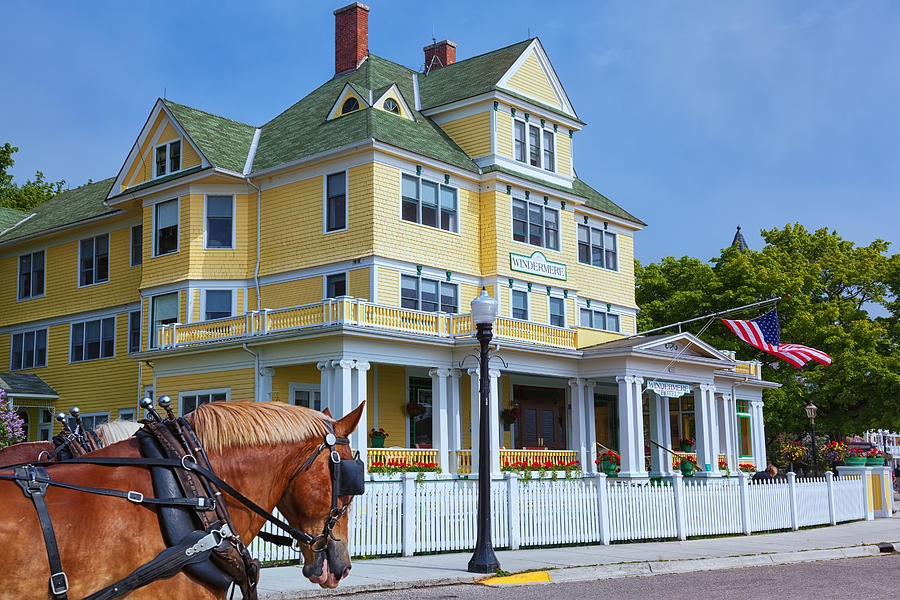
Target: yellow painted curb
(532, 577)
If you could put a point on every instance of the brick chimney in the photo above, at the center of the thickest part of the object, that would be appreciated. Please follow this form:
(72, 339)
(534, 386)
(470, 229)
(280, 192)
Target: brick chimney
(439, 55)
(351, 36)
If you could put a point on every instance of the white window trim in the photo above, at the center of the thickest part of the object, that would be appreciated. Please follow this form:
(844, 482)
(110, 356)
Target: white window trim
(124, 413)
(166, 144)
(325, 277)
(156, 253)
(233, 223)
(527, 303)
(564, 315)
(592, 225)
(541, 128)
(305, 387)
(140, 331)
(108, 261)
(420, 224)
(226, 391)
(131, 262)
(102, 413)
(12, 334)
(512, 232)
(72, 325)
(150, 340)
(203, 302)
(19, 276)
(584, 306)
(419, 291)
(325, 230)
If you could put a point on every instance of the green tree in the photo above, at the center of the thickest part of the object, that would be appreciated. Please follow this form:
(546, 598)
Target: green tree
(826, 283)
(31, 193)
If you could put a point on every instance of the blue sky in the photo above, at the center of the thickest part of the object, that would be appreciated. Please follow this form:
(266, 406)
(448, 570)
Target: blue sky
(701, 115)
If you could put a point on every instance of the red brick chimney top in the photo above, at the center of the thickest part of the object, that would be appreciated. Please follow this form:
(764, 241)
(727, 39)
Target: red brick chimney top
(351, 36)
(439, 55)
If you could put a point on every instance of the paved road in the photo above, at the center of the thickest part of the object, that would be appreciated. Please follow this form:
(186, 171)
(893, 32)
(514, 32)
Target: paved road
(872, 578)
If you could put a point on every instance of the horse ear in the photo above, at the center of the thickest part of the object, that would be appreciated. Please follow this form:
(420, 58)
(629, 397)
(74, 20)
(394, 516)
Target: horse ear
(327, 412)
(348, 423)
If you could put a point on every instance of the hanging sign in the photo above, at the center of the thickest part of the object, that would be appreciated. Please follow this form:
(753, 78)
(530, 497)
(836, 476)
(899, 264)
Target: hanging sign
(667, 389)
(537, 264)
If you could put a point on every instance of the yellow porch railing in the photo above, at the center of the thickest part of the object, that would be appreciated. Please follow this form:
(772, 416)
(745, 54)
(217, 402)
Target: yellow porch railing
(525, 331)
(693, 457)
(409, 455)
(541, 456)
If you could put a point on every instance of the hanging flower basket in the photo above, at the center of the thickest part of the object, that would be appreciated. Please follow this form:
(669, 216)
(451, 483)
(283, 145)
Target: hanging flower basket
(414, 409)
(687, 444)
(376, 437)
(510, 415)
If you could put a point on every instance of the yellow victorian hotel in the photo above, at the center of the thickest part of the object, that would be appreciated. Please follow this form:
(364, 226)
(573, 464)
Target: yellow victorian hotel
(329, 257)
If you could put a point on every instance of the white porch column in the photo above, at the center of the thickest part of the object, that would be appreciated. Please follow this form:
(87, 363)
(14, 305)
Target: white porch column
(474, 415)
(728, 444)
(758, 433)
(264, 384)
(661, 433)
(342, 394)
(495, 422)
(631, 426)
(439, 417)
(707, 430)
(591, 440)
(360, 393)
(454, 409)
(327, 382)
(576, 387)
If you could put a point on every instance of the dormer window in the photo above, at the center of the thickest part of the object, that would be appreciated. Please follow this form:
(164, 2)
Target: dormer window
(168, 158)
(350, 104)
(534, 145)
(391, 105)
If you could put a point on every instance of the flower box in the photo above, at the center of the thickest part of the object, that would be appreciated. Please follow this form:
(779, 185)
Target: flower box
(855, 461)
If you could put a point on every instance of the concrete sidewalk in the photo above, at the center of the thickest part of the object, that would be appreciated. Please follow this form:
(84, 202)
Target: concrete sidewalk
(585, 563)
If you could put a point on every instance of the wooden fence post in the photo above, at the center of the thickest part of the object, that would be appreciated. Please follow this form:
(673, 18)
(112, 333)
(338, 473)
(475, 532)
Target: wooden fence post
(792, 493)
(744, 481)
(829, 485)
(678, 493)
(603, 507)
(408, 544)
(512, 509)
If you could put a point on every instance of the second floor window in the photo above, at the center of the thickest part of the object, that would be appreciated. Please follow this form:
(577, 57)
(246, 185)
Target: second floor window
(93, 264)
(336, 202)
(31, 275)
(137, 245)
(29, 350)
(163, 310)
(168, 158)
(597, 247)
(595, 319)
(336, 285)
(557, 312)
(219, 222)
(218, 304)
(429, 203)
(134, 331)
(535, 224)
(165, 225)
(534, 145)
(520, 305)
(429, 295)
(93, 339)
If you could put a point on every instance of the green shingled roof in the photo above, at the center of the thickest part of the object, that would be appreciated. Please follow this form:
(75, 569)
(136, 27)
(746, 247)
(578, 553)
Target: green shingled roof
(224, 142)
(68, 207)
(10, 216)
(592, 197)
(302, 130)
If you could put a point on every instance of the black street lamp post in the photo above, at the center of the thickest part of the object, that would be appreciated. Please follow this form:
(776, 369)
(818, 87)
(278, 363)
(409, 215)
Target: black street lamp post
(484, 312)
(811, 413)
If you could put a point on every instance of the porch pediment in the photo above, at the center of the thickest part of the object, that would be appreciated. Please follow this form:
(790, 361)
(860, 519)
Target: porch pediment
(680, 346)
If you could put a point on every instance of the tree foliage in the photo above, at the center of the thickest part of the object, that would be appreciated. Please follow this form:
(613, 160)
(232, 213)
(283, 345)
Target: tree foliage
(31, 193)
(826, 284)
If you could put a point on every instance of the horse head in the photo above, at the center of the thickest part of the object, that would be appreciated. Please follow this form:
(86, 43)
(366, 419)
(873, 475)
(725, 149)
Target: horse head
(307, 504)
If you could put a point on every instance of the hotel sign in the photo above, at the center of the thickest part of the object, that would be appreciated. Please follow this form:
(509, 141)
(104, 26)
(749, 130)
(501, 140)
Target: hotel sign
(668, 389)
(537, 264)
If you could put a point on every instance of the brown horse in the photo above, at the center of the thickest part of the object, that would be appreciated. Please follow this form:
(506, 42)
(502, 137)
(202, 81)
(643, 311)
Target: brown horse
(255, 447)
(23, 452)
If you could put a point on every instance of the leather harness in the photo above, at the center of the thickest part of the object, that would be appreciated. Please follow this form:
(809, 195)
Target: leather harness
(188, 494)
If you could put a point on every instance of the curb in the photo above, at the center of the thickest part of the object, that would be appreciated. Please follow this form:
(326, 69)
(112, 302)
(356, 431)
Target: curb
(601, 572)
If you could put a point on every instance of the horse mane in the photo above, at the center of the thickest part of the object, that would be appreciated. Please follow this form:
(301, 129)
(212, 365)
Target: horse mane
(221, 425)
(116, 431)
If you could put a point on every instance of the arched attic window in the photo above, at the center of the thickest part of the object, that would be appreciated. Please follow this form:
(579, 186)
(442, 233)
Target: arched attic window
(391, 105)
(350, 104)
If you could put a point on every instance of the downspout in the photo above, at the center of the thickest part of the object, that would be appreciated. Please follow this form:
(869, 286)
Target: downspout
(255, 370)
(258, 222)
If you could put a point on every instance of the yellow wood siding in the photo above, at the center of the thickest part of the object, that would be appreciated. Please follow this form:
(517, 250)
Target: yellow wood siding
(358, 283)
(504, 134)
(292, 293)
(141, 169)
(169, 134)
(189, 156)
(596, 283)
(538, 306)
(239, 381)
(392, 404)
(62, 295)
(172, 267)
(564, 153)
(285, 376)
(388, 287)
(530, 80)
(472, 133)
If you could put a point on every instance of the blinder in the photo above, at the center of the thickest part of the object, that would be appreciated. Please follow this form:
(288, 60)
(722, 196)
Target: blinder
(351, 477)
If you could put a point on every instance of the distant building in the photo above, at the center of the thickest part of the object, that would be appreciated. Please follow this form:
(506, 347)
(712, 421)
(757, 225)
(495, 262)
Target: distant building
(739, 240)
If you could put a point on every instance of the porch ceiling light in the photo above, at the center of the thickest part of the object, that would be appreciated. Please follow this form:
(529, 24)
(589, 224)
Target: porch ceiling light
(484, 309)
(811, 410)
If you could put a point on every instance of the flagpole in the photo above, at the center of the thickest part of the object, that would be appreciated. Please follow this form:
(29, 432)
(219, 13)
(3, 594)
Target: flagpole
(709, 316)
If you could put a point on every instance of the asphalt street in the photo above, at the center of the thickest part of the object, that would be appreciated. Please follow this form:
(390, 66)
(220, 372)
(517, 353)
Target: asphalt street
(872, 578)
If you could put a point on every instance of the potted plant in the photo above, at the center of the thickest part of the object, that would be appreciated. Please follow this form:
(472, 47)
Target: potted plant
(609, 461)
(855, 457)
(687, 466)
(376, 437)
(686, 444)
(510, 415)
(874, 458)
(414, 409)
(833, 452)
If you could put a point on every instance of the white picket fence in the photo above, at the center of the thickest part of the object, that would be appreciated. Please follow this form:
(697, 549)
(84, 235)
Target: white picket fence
(408, 516)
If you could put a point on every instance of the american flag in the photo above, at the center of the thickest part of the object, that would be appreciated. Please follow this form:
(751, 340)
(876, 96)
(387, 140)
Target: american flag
(765, 333)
